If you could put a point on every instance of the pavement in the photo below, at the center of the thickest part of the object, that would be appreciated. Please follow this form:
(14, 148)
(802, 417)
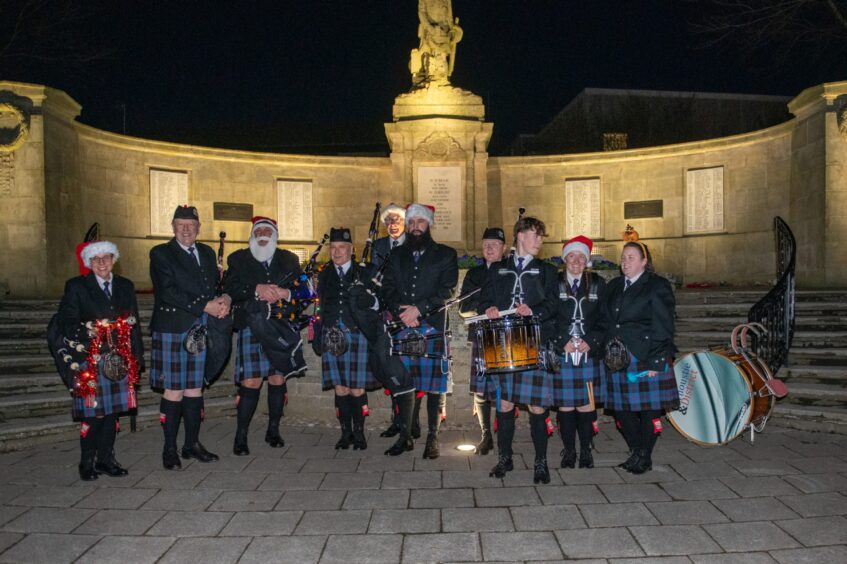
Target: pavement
(781, 499)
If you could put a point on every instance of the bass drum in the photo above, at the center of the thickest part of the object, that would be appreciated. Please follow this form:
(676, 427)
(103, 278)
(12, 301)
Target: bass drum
(721, 394)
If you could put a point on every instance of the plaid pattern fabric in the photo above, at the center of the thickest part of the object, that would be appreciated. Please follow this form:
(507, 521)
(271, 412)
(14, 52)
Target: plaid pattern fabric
(527, 387)
(645, 394)
(171, 367)
(250, 360)
(482, 384)
(570, 385)
(350, 369)
(112, 397)
(428, 374)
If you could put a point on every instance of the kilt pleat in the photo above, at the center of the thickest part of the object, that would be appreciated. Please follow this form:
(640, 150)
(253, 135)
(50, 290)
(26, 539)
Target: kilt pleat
(351, 369)
(428, 374)
(484, 385)
(250, 360)
(527, 387)
(658, 393)
(171, 366)
(112, 397)
(570, 384)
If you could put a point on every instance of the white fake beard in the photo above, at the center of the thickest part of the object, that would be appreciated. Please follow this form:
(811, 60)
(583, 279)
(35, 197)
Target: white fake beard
(262, 253)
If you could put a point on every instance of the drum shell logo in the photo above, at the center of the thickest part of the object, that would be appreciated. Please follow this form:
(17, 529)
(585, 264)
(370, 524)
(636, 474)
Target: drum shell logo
(686, 387)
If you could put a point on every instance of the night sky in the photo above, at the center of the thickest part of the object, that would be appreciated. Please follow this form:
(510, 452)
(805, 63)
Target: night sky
(280, 73)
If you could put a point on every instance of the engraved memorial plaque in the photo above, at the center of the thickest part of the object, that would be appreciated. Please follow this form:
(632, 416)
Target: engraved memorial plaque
(643, 209)
(704, 200)
(294, 210)
(227, 211)
(168, 189)
(583, 208)
(441, 186)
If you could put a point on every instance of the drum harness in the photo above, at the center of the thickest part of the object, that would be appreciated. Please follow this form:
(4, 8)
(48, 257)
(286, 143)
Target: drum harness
(577, 327)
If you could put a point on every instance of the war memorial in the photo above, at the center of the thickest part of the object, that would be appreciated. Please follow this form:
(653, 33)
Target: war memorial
(747, 228)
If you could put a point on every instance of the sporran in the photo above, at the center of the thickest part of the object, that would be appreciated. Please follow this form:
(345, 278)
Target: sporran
(617, 356)
(195, 340)
(334, 341)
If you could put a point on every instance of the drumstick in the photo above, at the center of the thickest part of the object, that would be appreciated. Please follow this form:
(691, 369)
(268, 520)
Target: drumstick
(590, 386)
(483, 317)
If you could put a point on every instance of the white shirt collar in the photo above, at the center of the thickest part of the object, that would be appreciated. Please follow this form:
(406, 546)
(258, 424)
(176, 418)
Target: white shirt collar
(102, 281)
(571, 278)
(400, 240)
(526, 259)
(345, 267)
(184, 248)
(635, 279)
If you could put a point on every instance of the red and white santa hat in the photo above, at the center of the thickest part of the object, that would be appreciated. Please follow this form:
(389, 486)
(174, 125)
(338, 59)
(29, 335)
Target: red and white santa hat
(261, 221)
(579, 244)
(98, 248)
(424, 211)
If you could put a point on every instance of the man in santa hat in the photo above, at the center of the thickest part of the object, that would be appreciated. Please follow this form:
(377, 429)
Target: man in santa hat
(253, 275)
(421, 275)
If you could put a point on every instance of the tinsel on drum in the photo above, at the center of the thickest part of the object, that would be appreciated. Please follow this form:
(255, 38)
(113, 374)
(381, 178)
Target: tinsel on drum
(109, 351)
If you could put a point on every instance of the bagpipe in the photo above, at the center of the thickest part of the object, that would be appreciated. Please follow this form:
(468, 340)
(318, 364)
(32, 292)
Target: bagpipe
(303, 292)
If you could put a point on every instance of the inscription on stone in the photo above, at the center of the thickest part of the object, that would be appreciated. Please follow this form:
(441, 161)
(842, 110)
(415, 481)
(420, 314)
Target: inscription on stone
(643, 209)
(441, 186)
(226, 211)
(294, 210)
(7, 173)
(168, 189)
(582, 208)
(704, 200)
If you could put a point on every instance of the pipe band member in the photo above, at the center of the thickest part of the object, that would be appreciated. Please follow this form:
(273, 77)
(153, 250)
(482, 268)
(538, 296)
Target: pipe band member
(184, 274)
(421, 276)
(493, 246)
(638, 311)
(579, 386)
(530, 285)
(345, 366)
(252, 276)
(97, 294)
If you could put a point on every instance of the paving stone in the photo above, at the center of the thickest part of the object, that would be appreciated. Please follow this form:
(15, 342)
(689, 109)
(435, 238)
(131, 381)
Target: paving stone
(275, 465)
(816, 505)
(302, 550)
(9, 512)
(52, 497)
(246, 501)
(650, 560)
(820, 465)
(616, 493)
(11, 491)
(430, 499)
(262, 523)
(563, 495)
(817, 531)
(598, 543)
(48, 520)
(442, 547)
(387, 464)
(617, 515)
(659, 473)
(578, 477)
(306, 452)
(8, 539)
(443, 462)
(206, 550)
(547, 518)
(119, 522)
(686, 512)
(333, 522)
(764, 467)
(696, 490)
(343, 549)
(668, 540)
(283, 482)
(190, 524)
(411, 480)
(44, 477)
(112, 498)
(706, 470)
(48, 549)
(735, 558)
(515, 546)
(745, 537)
(173, 479)
(754, 508)
(352, 481)
(710, 454)
(182, 500)
(811, 555)
(502, 497)
(376, 499)
(759, 487)
(817, 483)
(405, 521)
(476, 519)
(469, 479)
(120, 550)
(308, 500)
(232, 480)
(331, 465)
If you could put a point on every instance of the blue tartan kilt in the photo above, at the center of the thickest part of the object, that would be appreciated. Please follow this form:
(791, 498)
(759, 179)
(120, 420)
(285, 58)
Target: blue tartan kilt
(250, 360)
(112, 397)
(351, 369)
(428, 374)
(570, 385)
(658, 393)
(527, 387)
(171, 366)
(484, 385)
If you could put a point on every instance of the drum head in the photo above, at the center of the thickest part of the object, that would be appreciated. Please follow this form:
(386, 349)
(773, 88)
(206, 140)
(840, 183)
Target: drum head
(714, 397)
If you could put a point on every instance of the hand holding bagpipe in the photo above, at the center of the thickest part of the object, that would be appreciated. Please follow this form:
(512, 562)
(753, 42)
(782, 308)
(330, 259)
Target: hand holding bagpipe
(406, 312)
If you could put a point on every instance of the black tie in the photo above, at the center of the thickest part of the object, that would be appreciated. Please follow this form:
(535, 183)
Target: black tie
(340, 272)
(106, 290)
(417, 256)
(266, 264)
(394, 243)
(193, 255)
(575, 287)
(627, 285)
(520, 264)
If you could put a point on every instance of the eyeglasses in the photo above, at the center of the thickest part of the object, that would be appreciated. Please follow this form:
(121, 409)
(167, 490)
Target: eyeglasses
(393, 220)
(102, 259)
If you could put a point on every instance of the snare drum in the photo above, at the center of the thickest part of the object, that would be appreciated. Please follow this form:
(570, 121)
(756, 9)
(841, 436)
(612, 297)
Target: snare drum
(721, 394)
(509, 344)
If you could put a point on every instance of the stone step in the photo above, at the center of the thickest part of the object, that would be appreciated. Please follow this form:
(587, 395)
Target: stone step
(832, 375)
(799, 356)
(810, 418)
(751, 295)
(35, 346)
(817, 395)
(44, 315)
(824, 340)
(33, 364)
(812, 309)
(803, 323)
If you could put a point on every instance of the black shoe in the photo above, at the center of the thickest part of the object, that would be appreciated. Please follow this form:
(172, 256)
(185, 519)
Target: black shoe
(485, 445)
(568, 458)
(199, 453)
(402, 445)
(504, 464)
(542, 473)
(643, 462)
(111, 468)
(391, 431)
(416, 430)
(359, 440)
(586, 459)
(274, 439)
(431, 449)
(345, 441)
(627, 464)
(239, 447)
(87, 472)
(170, 459)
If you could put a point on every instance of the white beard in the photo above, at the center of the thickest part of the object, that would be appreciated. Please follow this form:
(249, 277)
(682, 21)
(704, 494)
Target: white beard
(262, 253)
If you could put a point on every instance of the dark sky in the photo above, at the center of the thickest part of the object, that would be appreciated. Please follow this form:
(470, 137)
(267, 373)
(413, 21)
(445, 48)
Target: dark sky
(237, 73)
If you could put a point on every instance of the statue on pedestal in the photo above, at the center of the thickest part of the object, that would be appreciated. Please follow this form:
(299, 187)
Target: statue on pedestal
(432, 62)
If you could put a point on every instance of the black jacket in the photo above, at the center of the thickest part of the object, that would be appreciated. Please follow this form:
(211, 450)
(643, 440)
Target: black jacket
(474, 278)
(244, 273)
(338, 296)
(426, 284)
(181, 287)
(642, 317)
(592, 288)
(541, 291)
(381, 250)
